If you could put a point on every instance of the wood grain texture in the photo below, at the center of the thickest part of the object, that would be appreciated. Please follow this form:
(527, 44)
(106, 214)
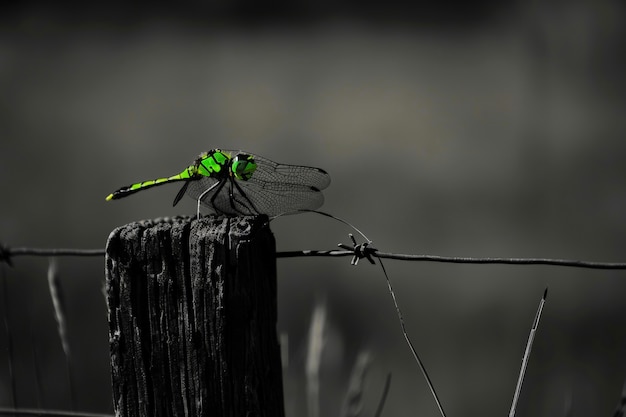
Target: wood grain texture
(192, 318)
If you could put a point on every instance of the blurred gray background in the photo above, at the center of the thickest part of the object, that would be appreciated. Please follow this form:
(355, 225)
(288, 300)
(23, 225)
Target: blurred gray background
(468, 129)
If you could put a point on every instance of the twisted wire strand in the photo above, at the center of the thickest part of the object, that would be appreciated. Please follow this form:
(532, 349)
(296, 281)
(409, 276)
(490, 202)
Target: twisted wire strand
(8, 253)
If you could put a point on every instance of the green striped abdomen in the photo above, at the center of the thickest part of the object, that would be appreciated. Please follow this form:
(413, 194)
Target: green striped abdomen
(139, 186)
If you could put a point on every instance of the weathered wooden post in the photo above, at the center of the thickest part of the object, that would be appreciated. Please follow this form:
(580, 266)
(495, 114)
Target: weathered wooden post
(192, 318)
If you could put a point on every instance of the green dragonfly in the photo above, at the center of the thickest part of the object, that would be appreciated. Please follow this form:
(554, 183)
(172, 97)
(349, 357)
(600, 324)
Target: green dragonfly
(238, 183)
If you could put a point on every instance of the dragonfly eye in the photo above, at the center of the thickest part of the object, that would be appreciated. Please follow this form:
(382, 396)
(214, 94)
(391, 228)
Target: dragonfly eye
(243, 166)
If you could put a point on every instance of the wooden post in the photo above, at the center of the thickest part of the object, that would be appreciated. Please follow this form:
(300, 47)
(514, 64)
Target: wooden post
(192, 318)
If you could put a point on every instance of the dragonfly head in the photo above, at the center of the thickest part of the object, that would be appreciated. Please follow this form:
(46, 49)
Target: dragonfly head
(243, 166)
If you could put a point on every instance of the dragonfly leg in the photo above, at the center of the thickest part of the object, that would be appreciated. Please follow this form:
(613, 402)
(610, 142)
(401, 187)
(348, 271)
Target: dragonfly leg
(221, 184)
(251, 207)
(234, 201)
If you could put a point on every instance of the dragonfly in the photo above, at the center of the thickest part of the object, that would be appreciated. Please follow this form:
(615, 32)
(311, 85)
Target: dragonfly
(237, 183)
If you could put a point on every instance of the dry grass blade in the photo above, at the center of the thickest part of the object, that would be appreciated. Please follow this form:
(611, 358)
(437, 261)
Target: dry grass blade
(58, 304)
(621, 407)
(353, 404)
(314, 358)
(529, 346)
(59, 314)
(383, 398)
(9, 336)
(37, 366)
(284, 350)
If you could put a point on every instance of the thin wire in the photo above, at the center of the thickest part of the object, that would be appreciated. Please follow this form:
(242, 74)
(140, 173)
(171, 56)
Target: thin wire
(53, 413)
(408, 341)
(458, 259)
(347, 223)
(506, 261)
(7, 253)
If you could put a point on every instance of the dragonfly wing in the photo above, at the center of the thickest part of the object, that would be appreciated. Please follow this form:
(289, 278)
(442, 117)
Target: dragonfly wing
(252, 197)
(270, 171)
(273, 198)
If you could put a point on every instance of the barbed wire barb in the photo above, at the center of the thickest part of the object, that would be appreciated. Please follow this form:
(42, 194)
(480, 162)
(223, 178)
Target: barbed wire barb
(361, 250)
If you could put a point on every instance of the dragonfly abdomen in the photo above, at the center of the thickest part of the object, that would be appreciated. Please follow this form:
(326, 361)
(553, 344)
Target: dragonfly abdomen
(140, 186)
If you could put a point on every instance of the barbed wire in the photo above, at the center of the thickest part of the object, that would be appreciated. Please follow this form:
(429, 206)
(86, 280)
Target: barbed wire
(359, 251)
(7, 253)
(460, 259)
(50, 413)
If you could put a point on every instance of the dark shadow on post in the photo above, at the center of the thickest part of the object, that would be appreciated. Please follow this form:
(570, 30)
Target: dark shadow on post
(192, 318)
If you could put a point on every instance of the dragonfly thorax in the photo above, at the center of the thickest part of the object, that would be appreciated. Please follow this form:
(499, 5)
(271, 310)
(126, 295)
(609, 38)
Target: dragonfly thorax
(213, 164)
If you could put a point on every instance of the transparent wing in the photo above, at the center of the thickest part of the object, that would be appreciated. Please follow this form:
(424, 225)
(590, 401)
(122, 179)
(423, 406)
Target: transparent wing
(269, 172)
(235, 197)
(274, 198)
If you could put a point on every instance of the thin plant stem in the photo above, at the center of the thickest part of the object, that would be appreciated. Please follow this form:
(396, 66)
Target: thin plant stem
(529, 346)
(9, 337)
(314, 359)
(56, 295)
(383, 397)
